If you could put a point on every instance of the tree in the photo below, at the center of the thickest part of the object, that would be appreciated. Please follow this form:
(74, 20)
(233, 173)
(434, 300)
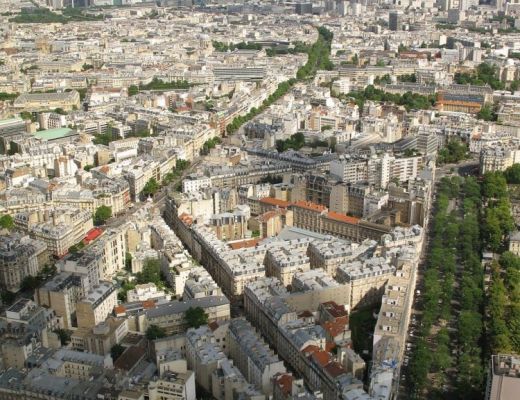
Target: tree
(102, 214)
(151, 187)
(133, 90)
(494, 185)
(7, 297)
(453, 152)
(195, 317)
(30, 283)
(151, 272)
(512, 174)
(6, 222)
(63, 335)
(487, 113)
(181, 164)
(116, 351)
(128, 261)
(155, 332)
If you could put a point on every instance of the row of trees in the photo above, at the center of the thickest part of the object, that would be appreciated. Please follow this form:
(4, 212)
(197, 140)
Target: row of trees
(318, 58)
(296, 142)
(153, 186)
(497, 219)
(454, 151)
(298, 47)
(209, 144)
(454, 260)
(487, 113)
(46, 16)
(411, 101)
(280, 91)
(441, 261)
(485, 74)
(8, 96)
(158, 84)
(503, 306)
(220, 46)
(470, 296)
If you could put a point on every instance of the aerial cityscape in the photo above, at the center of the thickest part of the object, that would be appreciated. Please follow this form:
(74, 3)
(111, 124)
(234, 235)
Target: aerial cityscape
(259, 200)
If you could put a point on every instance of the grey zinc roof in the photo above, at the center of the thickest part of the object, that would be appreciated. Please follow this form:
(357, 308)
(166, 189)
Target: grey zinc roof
(178, 307)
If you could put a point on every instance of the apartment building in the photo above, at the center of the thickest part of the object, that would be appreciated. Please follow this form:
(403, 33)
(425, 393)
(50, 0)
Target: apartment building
(203, 354)
(367, 280)
(111, 251)
(20, 257)
(47, 101)
(59, 228)
(76, 364)
(498, 158)
(230, 225)
(10, 129)
(317, 219)
(199, 283)
(62, 293)
(252, 356)
(101, 338)
(195, 183)
(514, 243)
(170, 316)
(214, 372)
(287, 259)
(503, 377)
(238, 73)
(331, 254)
(146, 291)
(173, 386)
(97, 305)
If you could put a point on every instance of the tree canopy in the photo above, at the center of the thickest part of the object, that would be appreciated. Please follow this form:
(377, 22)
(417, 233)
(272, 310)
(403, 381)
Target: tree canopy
(195, 317)
(6, 222)
(155, 332)
(151, 187)
(102, 214)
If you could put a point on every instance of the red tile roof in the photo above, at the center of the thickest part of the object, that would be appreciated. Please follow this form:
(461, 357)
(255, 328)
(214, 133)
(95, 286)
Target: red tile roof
(310, 206)
(333, 328)
(334, 309)
(310, 349)
(147, 304)
(275, 202)
(119, 310)
(321, 357)
(284, 382)
(343, 218)
(334, 369)
(244, 243)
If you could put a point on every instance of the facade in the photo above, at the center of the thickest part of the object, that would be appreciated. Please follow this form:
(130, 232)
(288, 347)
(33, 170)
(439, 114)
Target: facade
(59, 228)
(170, 316)
(173, 386)
(62, 293)
(20, 257)
(101, 338)
(97, 305)
(514, 243)
(503, 377)
(47, 101)
(367, 280)
(252, 355)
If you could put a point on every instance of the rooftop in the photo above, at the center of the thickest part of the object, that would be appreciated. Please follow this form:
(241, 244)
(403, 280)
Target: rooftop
(53, 134)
